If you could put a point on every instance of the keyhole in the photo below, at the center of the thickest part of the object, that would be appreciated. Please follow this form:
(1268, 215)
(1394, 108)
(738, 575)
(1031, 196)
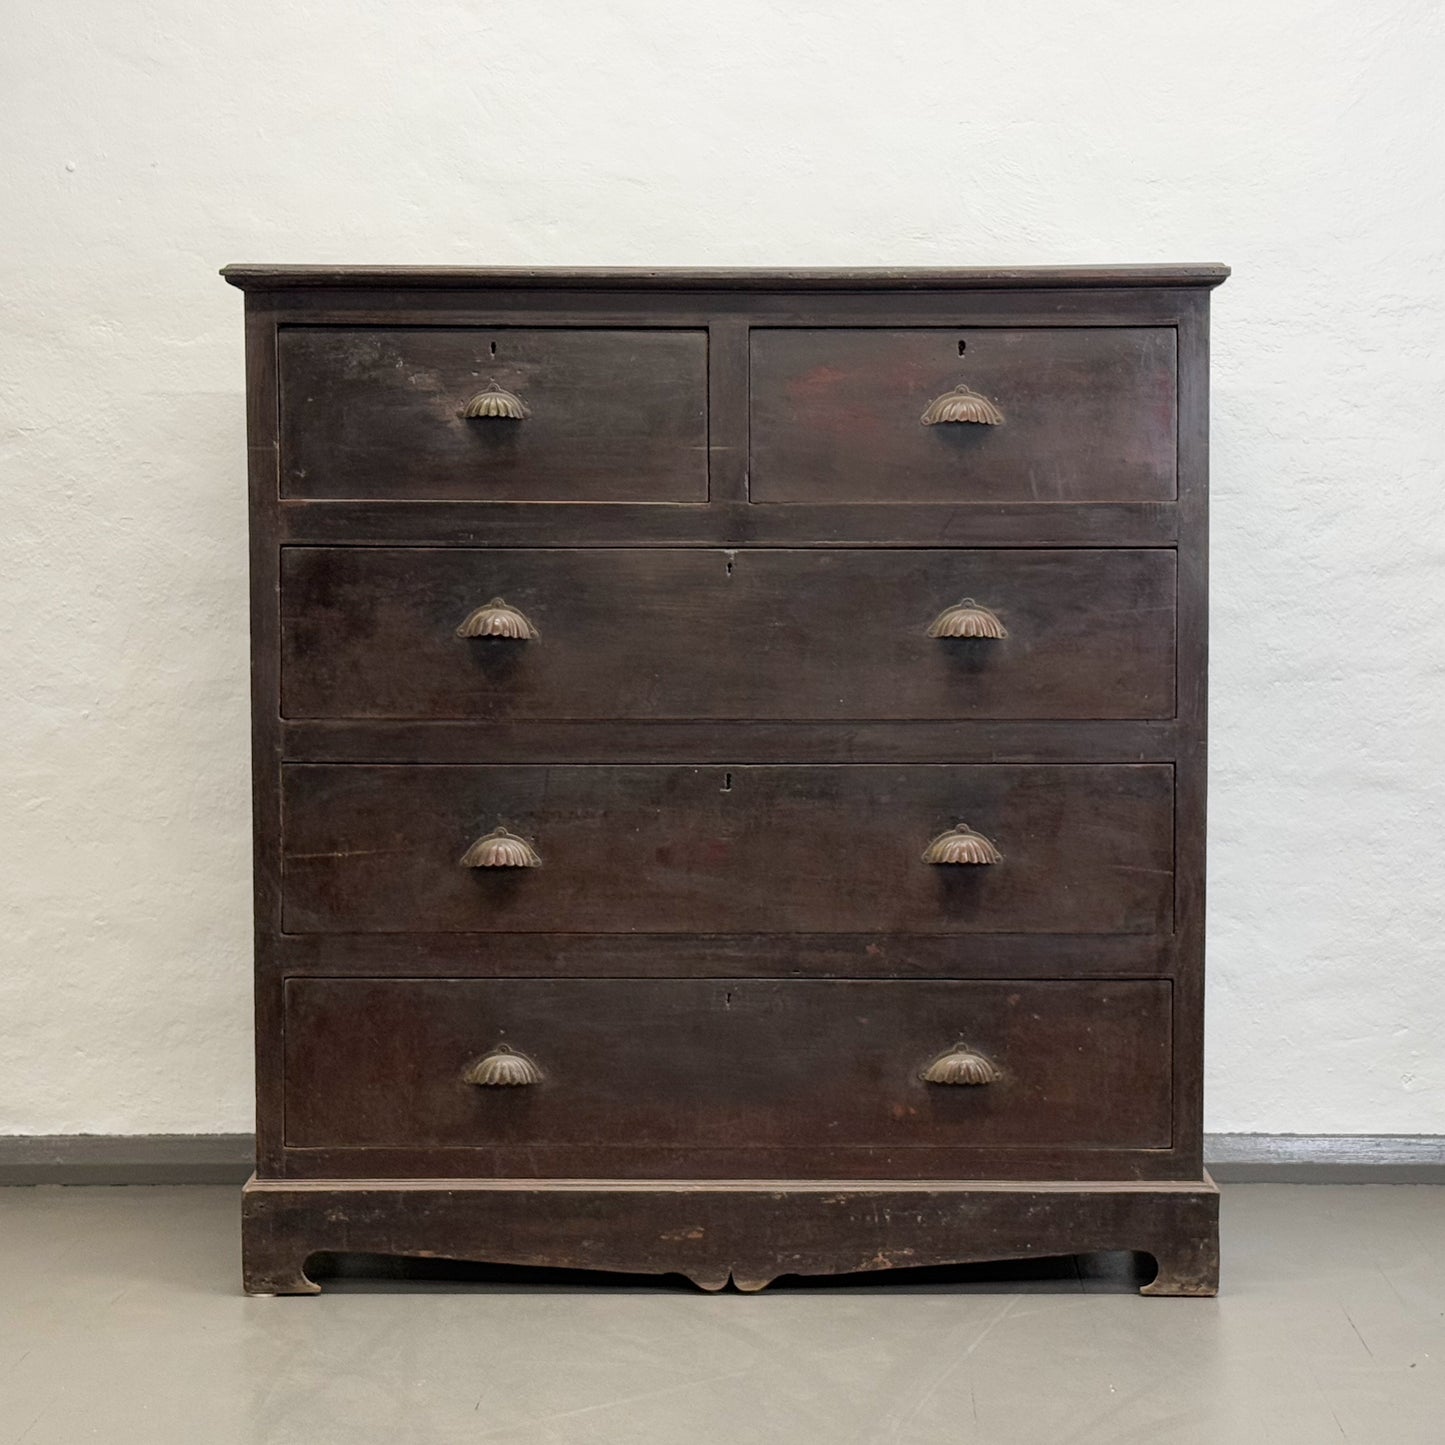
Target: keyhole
(494, 347)
(962, 347)
(728, 564)
(727, 786)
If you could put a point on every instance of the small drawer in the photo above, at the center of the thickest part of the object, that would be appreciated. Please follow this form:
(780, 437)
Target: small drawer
(1049, 848)
(704, 1076)
(597, 416)
(825, 635)
(1070, 414)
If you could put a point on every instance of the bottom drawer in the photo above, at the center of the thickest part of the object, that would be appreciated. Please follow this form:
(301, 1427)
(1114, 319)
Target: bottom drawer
(718, 1077)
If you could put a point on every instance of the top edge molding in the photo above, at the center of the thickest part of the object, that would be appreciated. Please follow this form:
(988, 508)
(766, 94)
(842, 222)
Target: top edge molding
(255, 277)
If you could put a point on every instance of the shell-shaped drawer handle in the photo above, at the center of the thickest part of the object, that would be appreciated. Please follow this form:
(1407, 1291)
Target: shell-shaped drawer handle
(967, 619)
(963, 403)
(496, 402)
(503, 1068)
(501, 849)
(961, 845)
(961, 1065)
(498, 619)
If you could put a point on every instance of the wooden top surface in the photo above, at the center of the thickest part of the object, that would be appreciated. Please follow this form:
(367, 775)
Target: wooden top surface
(255, 277)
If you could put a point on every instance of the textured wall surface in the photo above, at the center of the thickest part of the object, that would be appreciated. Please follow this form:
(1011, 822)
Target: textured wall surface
(148, 143)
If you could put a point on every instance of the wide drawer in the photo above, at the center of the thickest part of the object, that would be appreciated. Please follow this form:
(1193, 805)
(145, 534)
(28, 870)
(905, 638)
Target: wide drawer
(1089, 414)
(830, 849)
(815, 1074)
(658, 633)
(613, 416)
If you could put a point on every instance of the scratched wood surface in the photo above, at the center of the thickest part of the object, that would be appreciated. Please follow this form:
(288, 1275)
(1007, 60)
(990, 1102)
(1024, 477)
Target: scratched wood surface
(1089, 415)
(730, 745)
(1086, 849)
(707, 1070)
(746, 1234)
(378, 412)
(370, 633)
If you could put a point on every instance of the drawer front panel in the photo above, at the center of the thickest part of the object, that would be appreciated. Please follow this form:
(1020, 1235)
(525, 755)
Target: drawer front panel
(1089, 415)
(379, 413)
(714, 1066)
(833, 849)
(654, 633)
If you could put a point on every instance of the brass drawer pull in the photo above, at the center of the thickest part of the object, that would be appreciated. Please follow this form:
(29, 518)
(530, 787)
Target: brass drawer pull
(498, 619)
(967, 619)
(496, 403)
(961, 845)
(962, 404)
(503, 1069)
(501, 849)
(961, 1065)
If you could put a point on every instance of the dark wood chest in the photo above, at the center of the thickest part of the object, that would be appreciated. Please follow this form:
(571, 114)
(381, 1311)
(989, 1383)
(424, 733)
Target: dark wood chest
(729, 767)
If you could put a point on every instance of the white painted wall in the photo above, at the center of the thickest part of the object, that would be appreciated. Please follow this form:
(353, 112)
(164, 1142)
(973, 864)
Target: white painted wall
(145, 144)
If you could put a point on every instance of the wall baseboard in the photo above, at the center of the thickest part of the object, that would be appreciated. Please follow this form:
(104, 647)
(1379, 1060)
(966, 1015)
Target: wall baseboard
(126, 1158)
(226, 1158)
(1326, 1158)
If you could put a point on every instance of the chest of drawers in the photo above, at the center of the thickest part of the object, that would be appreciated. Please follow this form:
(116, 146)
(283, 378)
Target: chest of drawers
(728, 768)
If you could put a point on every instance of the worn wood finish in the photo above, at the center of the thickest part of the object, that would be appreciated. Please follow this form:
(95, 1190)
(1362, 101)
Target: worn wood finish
(600, 1160)
(710, 1069)
(616, 416)
(1088, 415)
(263, 460)
(736, 808)
(728, 524)
(717, 850)
(726, 278)
(746, 1233)
(726, 955)
(729, 741)
(697, 633)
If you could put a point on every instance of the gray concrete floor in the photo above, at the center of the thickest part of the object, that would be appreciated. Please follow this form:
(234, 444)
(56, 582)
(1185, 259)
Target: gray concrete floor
(121, 1320)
